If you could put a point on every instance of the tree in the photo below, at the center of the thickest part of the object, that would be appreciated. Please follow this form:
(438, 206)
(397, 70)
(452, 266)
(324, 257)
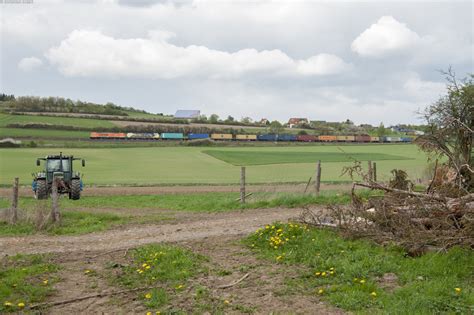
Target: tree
(450, 128)
(246, 120)
(381, 130)
(275, 127)
(213, 119)
(229, 119)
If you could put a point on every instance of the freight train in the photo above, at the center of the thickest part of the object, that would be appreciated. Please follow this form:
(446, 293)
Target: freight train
(245, 137)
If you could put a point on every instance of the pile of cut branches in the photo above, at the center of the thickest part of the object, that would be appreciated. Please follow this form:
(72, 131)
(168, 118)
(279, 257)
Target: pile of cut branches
(418, 221)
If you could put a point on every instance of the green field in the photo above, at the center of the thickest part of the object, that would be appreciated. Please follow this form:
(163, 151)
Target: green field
(43, 133)
(190, 165)
(243, 158)
(6, 119)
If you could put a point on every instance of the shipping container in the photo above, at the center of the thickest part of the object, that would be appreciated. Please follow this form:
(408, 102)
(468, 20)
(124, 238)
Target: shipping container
(267, 137)
(345, 138)
(221, 136)
(286, 138)
(171, 136)
(107, 135)
(327, 138)
(141, 136)
(307, 138)
(374, 139)
(362, 138)
(193, 136)
(246, 137)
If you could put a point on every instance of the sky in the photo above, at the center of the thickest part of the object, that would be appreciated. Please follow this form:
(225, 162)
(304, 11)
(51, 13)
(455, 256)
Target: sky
(371, 62)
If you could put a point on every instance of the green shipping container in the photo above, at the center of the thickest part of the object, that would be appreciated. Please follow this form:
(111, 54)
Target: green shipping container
(170, 135)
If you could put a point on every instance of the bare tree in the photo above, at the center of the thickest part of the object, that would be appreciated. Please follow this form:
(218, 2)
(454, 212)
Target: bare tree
(451, 122)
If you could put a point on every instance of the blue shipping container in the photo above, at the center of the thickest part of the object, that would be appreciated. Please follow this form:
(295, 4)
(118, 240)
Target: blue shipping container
(286, 138)
(267, 137)
(192, 136)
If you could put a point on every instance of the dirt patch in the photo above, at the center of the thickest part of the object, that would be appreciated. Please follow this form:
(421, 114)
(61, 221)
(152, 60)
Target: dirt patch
(160, 190)
(190, 227)
(256, 294)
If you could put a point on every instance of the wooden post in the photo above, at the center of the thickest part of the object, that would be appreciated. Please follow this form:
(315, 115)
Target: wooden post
(14, 209)
(55, 216)
(318, 177)
(374, 171)
(242, 184)
(370, 170)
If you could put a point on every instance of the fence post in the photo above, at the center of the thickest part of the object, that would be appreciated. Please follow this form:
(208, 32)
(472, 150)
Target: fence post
(374, 171)
(318, 177)
(242, 184)
(14, 209)
(55, 216)
(370, 170)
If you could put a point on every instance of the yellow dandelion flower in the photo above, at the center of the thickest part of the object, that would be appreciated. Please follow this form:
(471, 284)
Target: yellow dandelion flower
(332, 268)
(356, 279)
(226, 302)
(21, 305)
(331, 272)
(148, 313)
(147, 267)
(323, 274)
(320, 291)
(273, 227)
(279, 257)
(362, 281)
(45, 281)
(158, 313)
(148, 296)
(87, 271)
(144, 265)
(457, 290)
(140, 271)
(179, 287)
(374, 294)
(317, 274)
(7, 303)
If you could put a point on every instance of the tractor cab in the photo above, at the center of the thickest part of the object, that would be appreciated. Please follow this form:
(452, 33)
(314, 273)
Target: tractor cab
(59, 167)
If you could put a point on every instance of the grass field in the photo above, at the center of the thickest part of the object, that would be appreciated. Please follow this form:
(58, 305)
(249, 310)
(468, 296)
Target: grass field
(189, 165)
(43, 133)
(243, 158)
(6, 119)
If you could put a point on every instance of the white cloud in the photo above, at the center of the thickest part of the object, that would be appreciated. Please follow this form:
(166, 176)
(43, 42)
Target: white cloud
(385, 37)
(92, 53)
(30, 63)
(322, 64)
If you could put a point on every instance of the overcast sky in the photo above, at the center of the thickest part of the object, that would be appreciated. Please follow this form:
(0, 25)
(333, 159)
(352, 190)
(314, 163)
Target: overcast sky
(367, 61)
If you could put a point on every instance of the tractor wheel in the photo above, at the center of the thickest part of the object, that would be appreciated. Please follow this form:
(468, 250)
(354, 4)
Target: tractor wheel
(75, 193)
(41, 189)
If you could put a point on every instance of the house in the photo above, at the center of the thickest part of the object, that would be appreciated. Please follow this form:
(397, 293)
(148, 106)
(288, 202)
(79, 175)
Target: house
(187, 114)
(264, 121)
(297, 121)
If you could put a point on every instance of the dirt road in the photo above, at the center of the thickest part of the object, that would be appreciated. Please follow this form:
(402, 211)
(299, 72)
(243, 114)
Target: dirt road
(160, 190)
(191, 227)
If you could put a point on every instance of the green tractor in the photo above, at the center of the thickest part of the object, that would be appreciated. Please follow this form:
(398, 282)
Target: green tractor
(60, 167)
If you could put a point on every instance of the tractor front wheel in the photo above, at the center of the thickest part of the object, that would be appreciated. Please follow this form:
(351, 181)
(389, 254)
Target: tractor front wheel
(41, 189)
(75, 193)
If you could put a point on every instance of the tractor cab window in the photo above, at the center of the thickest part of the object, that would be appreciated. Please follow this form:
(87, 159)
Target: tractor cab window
(55, 165)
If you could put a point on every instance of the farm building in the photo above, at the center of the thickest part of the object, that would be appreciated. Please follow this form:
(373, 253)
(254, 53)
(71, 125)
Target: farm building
(297, 121)
(187, 114)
